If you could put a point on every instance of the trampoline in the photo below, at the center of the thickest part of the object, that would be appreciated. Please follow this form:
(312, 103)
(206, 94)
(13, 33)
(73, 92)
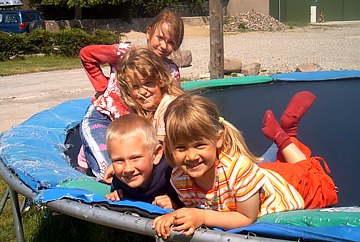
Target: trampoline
(36, 158)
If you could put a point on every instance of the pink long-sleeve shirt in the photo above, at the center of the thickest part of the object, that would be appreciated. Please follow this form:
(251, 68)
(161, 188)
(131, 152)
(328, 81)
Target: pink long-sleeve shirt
(93, 57)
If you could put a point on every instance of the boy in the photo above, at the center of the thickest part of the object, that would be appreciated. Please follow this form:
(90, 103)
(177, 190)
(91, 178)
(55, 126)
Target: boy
(140, 171)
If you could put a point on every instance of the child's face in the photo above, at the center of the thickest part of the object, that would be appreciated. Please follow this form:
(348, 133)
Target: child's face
(133, 160)
(196, 157)
(147, 94)
(160, 41)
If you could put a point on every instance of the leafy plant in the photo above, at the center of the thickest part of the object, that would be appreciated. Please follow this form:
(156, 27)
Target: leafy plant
(66, 42)
(104, 37)
(11, 45)
(242, 26)
(39, 41)
(70, 41)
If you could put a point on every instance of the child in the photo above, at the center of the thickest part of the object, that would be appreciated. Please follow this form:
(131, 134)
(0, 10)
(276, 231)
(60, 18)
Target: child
(214, 170)
(140, 171)
(164, 35)
(147, 87)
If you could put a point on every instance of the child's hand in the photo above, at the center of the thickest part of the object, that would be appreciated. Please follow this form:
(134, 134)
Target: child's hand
(188, 220)
(183, 219)
(163, 201)
(115, 195)
(108, 174)
(163, 223)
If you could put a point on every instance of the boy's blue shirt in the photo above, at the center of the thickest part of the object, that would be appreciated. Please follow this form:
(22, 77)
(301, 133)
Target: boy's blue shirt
(159, 185)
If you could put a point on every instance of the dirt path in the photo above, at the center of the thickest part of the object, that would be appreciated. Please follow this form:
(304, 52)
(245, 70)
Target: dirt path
(21, 96)
(334, 46)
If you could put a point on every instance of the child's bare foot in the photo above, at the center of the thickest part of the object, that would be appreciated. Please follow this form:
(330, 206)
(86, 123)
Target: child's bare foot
(272, 130)
(296, 108)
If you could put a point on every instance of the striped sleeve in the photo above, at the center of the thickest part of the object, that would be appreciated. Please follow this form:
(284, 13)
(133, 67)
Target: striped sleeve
(248, 179)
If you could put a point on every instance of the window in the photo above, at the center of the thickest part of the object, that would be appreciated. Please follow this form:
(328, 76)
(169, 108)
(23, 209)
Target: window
(11, 18)
(29, 17)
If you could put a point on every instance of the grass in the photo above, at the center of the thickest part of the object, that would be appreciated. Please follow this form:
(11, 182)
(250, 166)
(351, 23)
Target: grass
(39, 226)
(7, 233)
(31, 64)
(60, 228)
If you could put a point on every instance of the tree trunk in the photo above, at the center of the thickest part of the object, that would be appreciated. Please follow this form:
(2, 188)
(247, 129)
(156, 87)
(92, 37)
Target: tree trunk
(216, 40)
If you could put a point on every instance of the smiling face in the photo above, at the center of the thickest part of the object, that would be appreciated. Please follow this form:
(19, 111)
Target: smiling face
(146, 93)
(159, 40)
(133, 160)
(197, 157)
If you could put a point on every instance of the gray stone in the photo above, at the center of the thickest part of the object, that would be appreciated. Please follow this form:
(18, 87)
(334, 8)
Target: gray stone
(308, 67)
(182, 58)
(251, 69)
(252, 20)
(232, 65)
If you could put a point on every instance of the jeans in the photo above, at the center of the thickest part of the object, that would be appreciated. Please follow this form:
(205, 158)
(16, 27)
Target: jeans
(270, 153)
(93, 135)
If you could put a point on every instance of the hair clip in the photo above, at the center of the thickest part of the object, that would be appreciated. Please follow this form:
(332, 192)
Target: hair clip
(221, 120)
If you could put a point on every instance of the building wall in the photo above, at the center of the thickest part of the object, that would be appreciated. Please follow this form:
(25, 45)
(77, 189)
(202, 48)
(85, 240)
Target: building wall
(234, 7)
(339, 9)
(299, 11)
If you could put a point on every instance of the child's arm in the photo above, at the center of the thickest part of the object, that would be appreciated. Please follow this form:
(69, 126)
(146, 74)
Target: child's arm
(92, 57)
(188, 219)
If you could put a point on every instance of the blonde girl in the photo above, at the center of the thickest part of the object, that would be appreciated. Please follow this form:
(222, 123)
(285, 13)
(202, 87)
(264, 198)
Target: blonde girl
(147, 86)
(215, 174)
(164, 35)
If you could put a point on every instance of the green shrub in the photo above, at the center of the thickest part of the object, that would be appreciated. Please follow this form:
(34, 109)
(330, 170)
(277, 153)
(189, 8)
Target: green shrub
(242, 26)
(105, 37)
(11, 45)
(39, 41)
(66, 42)
(70, 41)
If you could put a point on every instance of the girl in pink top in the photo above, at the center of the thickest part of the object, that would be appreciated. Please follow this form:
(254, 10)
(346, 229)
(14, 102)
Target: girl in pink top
(164, 35)
(216, 175)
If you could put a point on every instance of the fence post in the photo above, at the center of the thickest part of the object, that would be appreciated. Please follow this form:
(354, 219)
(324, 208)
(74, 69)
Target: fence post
(216, 39)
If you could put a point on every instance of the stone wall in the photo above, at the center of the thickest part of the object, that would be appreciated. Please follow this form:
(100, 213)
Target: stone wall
(116, 25)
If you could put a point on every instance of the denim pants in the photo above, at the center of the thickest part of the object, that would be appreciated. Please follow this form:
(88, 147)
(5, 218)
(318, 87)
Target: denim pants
(93, 136)
(270, 153)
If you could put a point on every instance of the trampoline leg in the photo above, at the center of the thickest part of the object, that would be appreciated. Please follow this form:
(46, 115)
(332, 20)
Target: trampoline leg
(17, 216)
(4, 199)
(158, 239)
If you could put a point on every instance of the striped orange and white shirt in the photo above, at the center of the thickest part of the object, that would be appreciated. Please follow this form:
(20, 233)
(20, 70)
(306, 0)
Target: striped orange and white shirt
(236, 181)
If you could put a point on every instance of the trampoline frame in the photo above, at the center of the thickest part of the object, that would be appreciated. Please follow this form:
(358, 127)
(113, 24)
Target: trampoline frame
(119, 220)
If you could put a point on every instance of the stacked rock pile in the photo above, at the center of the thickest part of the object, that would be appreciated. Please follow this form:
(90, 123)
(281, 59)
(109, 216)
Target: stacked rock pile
(252, 20)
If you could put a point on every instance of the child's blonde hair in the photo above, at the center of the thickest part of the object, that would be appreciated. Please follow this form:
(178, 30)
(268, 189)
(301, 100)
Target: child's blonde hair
(132, 125)
(192, 117)
(176, 26)
(144, 64)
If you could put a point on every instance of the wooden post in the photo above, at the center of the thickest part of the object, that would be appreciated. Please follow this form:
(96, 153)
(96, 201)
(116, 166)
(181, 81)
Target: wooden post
(216, 39)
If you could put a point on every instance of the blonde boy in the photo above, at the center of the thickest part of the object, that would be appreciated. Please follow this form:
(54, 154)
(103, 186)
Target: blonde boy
(140, 171)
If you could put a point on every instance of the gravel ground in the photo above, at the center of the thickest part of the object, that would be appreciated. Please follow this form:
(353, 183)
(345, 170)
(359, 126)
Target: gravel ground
(334, 46)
